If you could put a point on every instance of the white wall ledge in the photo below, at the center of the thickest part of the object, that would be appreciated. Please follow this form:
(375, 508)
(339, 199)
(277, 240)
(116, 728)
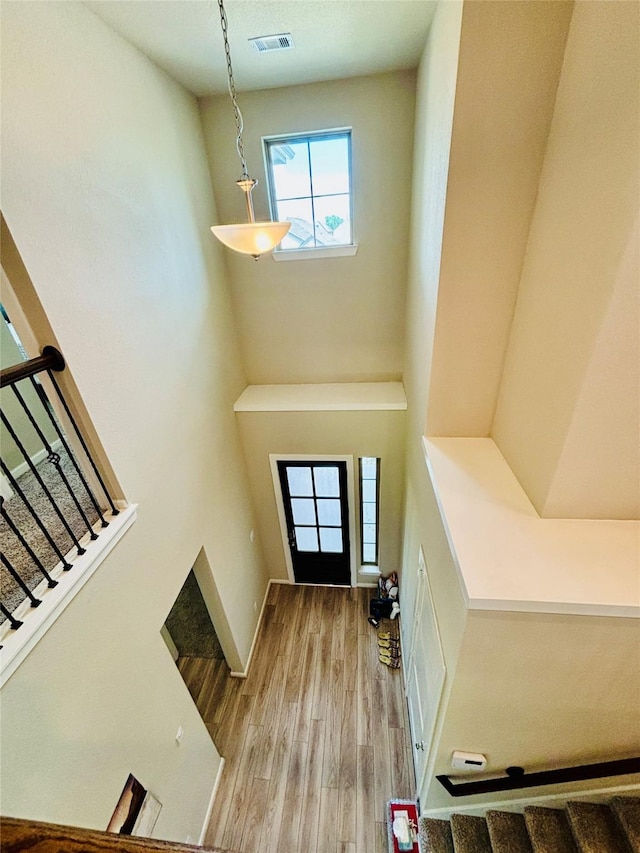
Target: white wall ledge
(508, 558)
(315, 254)
(343, 396)
(17, 644)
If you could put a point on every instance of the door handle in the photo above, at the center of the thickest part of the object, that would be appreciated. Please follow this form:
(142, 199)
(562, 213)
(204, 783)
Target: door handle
(420, 744)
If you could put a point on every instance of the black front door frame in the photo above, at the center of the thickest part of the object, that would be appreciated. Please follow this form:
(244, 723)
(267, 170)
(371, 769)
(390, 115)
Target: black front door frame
(274, 458)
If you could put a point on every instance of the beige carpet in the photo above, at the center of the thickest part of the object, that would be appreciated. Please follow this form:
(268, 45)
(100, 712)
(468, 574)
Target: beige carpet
(10, 592)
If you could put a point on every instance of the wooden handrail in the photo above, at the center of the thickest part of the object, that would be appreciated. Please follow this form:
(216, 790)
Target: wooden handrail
(517, 778)
(51, 359)
(19, 835)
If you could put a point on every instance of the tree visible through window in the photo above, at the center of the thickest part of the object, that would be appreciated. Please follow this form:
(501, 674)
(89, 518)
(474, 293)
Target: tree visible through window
(310, 186)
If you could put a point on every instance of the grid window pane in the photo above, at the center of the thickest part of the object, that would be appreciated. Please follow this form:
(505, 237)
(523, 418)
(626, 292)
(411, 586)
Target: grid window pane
(369, 491)
(327, 481)
(303, 511)
(368, 553)
(333, 219)
(331, 540)
(369, 513)
(291, 177)
(329, 512)
(330, 165)
(300, 213)
(369, 467)
(306, 539)
(299, 480)
(369, 533)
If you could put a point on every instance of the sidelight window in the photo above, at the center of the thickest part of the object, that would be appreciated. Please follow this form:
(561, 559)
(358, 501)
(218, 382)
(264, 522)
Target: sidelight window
(369, 509)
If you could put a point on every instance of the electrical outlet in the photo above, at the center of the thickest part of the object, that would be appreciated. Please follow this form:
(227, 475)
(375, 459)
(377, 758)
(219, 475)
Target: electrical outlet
(252, 536)
(255, 606)
(179, 735)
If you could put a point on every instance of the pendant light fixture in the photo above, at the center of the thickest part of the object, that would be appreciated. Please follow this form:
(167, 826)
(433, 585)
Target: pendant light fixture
(248, 238)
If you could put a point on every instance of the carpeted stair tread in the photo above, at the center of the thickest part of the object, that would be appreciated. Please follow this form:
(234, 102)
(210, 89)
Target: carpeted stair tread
(627, 810)
(470, 834)
(508, 832)
(596, 829)
(549, 830)
(435, 836)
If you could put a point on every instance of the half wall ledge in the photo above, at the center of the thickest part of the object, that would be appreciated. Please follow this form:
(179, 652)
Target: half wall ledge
(321, 397)
(16, 645)
(510, 559)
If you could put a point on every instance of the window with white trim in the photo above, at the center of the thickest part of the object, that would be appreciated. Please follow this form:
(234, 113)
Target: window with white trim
(309, 178)
(369, 509)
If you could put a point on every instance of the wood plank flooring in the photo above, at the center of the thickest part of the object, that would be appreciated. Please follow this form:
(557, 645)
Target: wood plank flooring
(316, 738)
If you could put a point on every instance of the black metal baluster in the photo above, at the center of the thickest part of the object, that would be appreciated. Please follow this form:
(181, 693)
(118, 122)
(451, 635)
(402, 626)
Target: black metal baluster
(16, 488)
(114, 510)
(54, 459)
(50, 581)
(35, 602)
(36, 474)
(43, 399)
(15, 623)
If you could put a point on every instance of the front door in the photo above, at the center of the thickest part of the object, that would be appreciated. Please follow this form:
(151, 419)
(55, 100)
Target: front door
(314, 495)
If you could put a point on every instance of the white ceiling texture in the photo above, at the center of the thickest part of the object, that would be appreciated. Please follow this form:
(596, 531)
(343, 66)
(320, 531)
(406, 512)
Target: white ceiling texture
(332, 38)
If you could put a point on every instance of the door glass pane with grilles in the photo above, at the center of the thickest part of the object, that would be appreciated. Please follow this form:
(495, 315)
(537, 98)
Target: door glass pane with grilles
(314, 495)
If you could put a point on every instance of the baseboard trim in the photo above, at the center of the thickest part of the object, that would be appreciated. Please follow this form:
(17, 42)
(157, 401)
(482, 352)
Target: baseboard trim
(245, 672)
(207, 817)
(518, 805)
(36, 459)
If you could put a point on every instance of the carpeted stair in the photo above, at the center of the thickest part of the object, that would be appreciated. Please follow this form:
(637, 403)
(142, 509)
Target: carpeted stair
(579, 828)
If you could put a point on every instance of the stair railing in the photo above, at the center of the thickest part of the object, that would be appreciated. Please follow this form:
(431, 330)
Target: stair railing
(67, 510)
(517, 778)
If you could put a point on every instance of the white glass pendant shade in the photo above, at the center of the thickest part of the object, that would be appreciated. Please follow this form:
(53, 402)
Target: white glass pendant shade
(251, 238)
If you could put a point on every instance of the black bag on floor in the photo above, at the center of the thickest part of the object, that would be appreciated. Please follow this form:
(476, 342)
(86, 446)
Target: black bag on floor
(380, 608)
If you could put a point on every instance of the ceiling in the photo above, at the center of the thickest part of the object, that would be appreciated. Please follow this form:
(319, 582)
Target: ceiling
(332, 38)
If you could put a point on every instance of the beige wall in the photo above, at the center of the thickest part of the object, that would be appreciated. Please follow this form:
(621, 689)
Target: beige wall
(567, 417)
(357, 434)
(435, 99)
(337, 319)
(105, 187)
(542, 691)
(507, 674)
(510, 61)
(422, 523)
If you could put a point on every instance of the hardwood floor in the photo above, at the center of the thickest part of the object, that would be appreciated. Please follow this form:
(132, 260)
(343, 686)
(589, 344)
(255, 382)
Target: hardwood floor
(316, 738)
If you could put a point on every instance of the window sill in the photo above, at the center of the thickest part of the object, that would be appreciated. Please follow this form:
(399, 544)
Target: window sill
(374, 571)
(315, 254)
(16, 645)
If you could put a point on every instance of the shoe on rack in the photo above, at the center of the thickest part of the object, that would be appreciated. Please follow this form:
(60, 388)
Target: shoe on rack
(389, 660)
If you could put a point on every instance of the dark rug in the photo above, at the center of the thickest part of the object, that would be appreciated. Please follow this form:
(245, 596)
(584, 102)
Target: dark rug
(190, 625)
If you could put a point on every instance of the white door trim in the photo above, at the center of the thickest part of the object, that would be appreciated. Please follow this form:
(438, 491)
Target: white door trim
(274, 458)
(435, 669)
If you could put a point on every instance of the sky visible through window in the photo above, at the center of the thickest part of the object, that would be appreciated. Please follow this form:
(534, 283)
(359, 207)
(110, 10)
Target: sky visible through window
(310, 186)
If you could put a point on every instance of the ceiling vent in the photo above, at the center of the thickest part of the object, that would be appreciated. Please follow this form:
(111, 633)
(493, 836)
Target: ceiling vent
(280, 41)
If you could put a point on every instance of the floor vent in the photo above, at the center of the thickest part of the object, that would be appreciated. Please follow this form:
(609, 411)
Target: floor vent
(280, 41)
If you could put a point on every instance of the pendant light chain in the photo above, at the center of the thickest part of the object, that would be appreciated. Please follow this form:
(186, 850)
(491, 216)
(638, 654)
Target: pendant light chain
(251, 237)
(232, 93)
